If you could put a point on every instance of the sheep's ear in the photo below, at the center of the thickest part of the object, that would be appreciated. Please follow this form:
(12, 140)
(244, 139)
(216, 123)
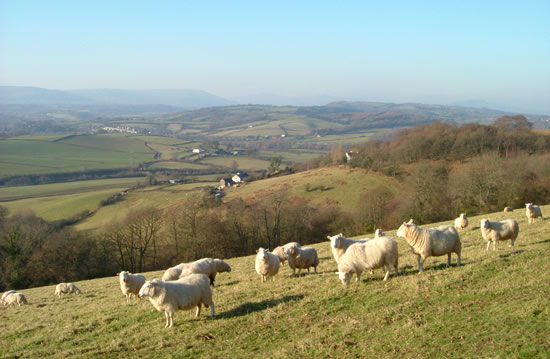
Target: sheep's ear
(257, 250)
(328, 238)
(410, 221)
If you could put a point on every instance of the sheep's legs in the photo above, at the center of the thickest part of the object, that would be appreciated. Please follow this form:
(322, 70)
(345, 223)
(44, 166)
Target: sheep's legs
(358, 279)
(212, 311)
(494, 245)
(458, 260)
(198, 310)
(448, 259)
(167, 316)
(488, 245)
(420, 264)
(387, 275)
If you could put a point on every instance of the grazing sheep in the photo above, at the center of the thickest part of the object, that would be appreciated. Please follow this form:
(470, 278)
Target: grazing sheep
(15, 298)
(130, 284)
(302, 258)
(532, 212)
(461, 222)
(280, 251)
(378, 233)
(185, 293)
(5, 294)
(66, 288)
(499, 231)
(339, 244)
(431, 242)
(208, 266)
(508, 209)
(173, 273)
(376, 253)
(267, 264)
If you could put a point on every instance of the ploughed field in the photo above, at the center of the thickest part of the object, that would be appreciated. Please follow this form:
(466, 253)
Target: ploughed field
(497, 304)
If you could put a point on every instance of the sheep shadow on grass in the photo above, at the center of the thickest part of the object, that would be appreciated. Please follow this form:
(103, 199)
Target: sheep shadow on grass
(511, 253)
(228, 283)
(251, 307)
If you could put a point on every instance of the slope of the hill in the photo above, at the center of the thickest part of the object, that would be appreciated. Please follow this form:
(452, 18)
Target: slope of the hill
(495, 305)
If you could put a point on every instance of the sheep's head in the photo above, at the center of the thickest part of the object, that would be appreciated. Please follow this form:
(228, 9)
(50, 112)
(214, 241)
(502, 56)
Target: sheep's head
(528, 205)
(379, 233)
(463, 215)
(401, 232)
(484, 223)
(291, 252)
(344, 277)
(262, 253)
(123, 276)
(335, 240)
(148, 289)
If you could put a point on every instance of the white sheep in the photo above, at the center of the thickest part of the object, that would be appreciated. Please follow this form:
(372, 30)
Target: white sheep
(5, 294)
(431, 242)
(461, 222)
(280, 251)
(302, 258)
(185, 293)
(267, 264)
(65, 288)
(173, 273)
(339, 244)
(378, 233)
(207, 266)
(15, 298)
(130, 284)
(377, 253)
(532, 212)
(499, 231)
(508, 209)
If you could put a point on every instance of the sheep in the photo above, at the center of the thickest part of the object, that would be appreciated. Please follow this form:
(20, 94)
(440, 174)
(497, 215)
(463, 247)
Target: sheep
(461, 222)
(532, 212)
(280, 251)
(377, 253)
(15, 298)
(378, 233)
(65, 288)
(208, 266)
(339, 244)
(5, 294)
(508, 209)
(267, 264)
(185, 293)
(431, 242)
(499, 231)
(302, 258)
(130, 284)
(173, 273)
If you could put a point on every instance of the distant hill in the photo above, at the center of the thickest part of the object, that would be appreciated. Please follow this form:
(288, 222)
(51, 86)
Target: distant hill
(277, 100)
(172, 97)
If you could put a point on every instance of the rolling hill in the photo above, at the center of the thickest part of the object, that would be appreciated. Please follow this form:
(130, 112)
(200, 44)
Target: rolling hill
(495, 305)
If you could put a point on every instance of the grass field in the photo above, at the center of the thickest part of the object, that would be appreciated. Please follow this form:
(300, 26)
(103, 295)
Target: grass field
(496, 305)
(243, 162)
(328, 185)
(18, 192)
(178, 165)
(47, 154)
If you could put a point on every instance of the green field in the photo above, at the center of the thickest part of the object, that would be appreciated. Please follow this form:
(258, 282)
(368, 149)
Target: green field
(38, 154)
(243, 162)
(496, 305)
(178, 165)
(18, 192)
(328, 185)
(53, 208)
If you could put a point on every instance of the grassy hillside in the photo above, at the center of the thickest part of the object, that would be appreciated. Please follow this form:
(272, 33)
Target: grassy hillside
(495, 305)
(328, 185)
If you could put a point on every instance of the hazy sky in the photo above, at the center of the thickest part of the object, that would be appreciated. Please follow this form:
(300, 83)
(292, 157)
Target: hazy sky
(480, 52)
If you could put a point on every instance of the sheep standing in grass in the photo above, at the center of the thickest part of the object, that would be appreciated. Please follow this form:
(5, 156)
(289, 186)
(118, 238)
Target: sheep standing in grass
(378, 233)
(173, 273)
(532, 212)
(377, 253)
(207, 266)
(267, 264)
(130, 284)
(508, 209)
(280, 251)
(499, 231)
(5, 294)
(339, 244)
(66, 288)
(461, 222)
(302, 258)
(15, 298)
(431, 242)
(185, 293)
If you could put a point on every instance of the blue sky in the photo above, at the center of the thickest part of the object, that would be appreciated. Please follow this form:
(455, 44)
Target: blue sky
(495, 54)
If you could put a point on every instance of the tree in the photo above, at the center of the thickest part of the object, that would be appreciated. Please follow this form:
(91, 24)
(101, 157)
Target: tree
(512, 123)
(275, 164)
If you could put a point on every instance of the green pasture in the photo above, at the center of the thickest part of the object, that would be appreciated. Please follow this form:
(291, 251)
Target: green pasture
(176, 165)
(243, 162)
(54, 189)
(495, 305)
